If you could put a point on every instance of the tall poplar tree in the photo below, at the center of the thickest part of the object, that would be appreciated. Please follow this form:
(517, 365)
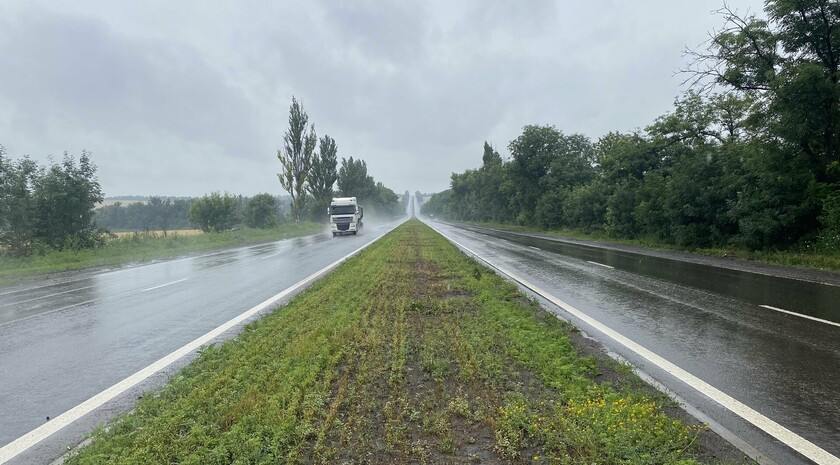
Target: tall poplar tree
(296, 157)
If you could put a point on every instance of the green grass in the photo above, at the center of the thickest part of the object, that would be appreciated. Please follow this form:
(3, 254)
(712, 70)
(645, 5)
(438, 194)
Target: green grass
(806, 256)
(408, 353)
(140, 248)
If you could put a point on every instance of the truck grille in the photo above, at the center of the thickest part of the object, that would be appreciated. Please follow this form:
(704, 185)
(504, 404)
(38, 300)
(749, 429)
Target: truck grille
(343, 226)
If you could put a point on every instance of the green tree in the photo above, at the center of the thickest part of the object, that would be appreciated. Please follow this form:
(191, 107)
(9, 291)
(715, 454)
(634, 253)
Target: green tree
(17, 203)
(493, 186)
(545, 159)
(323, 175)
(532, 151)
(387, 201)
(261, 211)
(160, 213)
(585, 206)
(354, 181)
(790, 64)
(296, 157)
(772, 209)
(214, 213)
(65, 196)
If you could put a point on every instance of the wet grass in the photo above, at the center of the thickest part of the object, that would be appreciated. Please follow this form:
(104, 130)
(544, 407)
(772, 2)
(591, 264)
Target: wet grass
(409, 353)
(806, 256)
(139, 247)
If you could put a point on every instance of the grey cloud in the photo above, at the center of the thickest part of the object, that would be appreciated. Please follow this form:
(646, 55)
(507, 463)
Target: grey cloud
(79, 69)
(198, 101)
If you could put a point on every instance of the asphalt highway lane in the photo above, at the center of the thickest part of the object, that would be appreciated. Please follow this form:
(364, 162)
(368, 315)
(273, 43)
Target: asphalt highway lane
(65, 339)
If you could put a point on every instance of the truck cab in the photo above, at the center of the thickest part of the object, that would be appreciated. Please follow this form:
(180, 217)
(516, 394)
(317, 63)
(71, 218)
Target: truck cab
(345, 216)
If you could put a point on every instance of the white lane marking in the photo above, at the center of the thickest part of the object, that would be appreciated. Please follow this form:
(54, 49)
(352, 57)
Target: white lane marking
(21, 444)
(46, 296)
(535, 248)
(813, 318)
(600, 264)
(164, 285)
(48, 312)
(786, 436)
(272, 255)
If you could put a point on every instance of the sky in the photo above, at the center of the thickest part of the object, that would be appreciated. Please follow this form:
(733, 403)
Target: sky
(190, 97)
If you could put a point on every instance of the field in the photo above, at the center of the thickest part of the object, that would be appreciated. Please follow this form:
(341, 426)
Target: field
(141, 247)
(408, 353)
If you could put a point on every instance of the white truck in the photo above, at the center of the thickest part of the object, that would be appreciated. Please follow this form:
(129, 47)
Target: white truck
(345, 216)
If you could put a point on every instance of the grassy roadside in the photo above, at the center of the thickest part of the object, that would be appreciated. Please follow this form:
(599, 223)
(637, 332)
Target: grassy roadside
(408, 353)
(139, 248)
(817, 259)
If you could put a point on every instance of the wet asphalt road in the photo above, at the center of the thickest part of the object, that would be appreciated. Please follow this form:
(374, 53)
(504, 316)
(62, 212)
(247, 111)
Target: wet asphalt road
(707, 321)
(65, 339)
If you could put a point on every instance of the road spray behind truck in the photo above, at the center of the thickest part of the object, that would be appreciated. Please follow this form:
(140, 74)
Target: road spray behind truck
(345, 216)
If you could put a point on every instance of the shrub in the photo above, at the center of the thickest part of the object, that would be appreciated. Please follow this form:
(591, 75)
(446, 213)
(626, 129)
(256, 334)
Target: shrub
(215, 212)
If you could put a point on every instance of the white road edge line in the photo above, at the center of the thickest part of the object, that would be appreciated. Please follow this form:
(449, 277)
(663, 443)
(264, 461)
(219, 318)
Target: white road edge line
(23, 443)
(164, 285)
(800, 315)
(46, 296)
(786, 436)
(600, 264)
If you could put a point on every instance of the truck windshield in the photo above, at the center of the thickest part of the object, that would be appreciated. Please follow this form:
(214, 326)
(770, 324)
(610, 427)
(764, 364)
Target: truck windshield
(342, 209)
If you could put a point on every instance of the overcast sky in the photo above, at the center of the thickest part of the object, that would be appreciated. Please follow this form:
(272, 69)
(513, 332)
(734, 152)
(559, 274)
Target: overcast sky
(188, 97)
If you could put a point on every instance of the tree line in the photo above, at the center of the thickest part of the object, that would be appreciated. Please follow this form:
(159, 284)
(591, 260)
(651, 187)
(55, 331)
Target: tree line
(213, 212)
(750, 156)
(311, 176)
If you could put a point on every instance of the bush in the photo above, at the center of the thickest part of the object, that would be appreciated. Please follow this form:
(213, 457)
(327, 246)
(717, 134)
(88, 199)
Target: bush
(829, 238)
(261, 211)
(215, 212)
(586, 206)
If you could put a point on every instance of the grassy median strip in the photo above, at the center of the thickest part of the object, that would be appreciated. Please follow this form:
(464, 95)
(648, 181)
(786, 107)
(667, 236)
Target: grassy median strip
(409, 353)
(141, 247)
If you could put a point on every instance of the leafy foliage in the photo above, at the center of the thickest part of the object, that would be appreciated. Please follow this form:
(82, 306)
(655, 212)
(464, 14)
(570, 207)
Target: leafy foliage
(354, 181)
(261, 211)
(297, 157)
(215, 212)
(48, 206)
(323, 175)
